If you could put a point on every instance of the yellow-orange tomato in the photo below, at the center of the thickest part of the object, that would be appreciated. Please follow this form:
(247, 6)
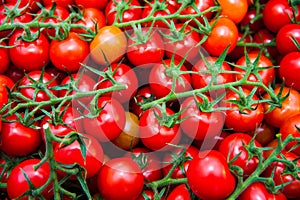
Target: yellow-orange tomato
(234, 9)
(129, 138)
(109, 45)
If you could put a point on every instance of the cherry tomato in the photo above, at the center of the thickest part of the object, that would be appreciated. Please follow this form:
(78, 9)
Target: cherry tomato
(14, 73)
(263, 36)
(72, 153)
(63, 3)
(264, 134)
(285, 38)
(179, 192)
(252, 20)
(67, 55)
(223, 33)
(31, 4)
(121, 173)
(238, 51)
(290, 107)
(4, 59)
(109, 45)
(146, 195)
(5, 83)
(17, 184)
(100, 5)
(289, 68)
(291, 127)
(234, 9)
(29, 56)
(209, 176)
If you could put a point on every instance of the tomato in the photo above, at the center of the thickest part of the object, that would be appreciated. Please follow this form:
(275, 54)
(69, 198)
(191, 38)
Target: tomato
(276, 171)
(3, 173)
(67, 55)
(109, 44)
(72, 153)
(129, 137)
(92, 19)
(131, 10)
(14, 73)
(263, 36)
(264, 134)
(146, 195)
(109, 123)
(238, 51)
(285, 38)
(161, 78)
(266, 76)
(233, 146)
(209, 176)
(122, 174)
(252, 20)
(17, 184)
(258, 190)
(185, 45)
(291, 127)
(244, 120)
(35, 78)
(201, 78)
(5, 83)
(234, 9)
(99, 5)
(31, 4)
(63, 3)
(122, 74)
(179, 192)
(156, 133)
(290, 107)
(289, 68)
(29, 56)
(4, 59)
(198, 124)
(277, 13)
(223, 33)
(147, 52)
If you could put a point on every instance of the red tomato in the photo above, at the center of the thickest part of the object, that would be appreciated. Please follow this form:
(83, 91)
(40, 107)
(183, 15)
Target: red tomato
(29, 56)
(252, 20)
(122, 74)
(264, 134)
(146, 195)
(209, 176)
(291, 127)
(289, 69)
(109, 45)
(238, 51)
(162, 75)
(290, 107)
(156, 134)
(223, 33)
(234, 146)
(67, 55)
(72, 153)
(14, 73)
(234, 9)
(147, 52)
(263, 36)
(17, 184)
(277, 13)
(245, 121)
(285, 38)
(4, 59)
(109, 123)
(258, 190)
(122, 174)
(198, 124)
(63, 3)
(31, 4)
(180, 192)
(5, 83)
(100, 5)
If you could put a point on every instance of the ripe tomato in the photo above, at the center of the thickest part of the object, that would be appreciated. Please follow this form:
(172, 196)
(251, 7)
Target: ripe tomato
(17, 184)
(252, 20)
(146, 195)
(123, 174)
(223, 33)
(234, 146)
(179, 192)
(291, 127)
(14, 73)
(29, 56)
(290, 107)
(289, 69)
(264, 134)
(285, 38)
(99, 5)
(234, 9)
(156, 133)
(263, 36)
(122, 74)
(67, 55)
(31, 4)
(162, 75)
(72, 153)
(63, 3)
(4, 59)
(17, 139)
(109, 123)
(258, 190)
(209, 176)
(245, 120)
(109, 45)
(198, 124)
(5, 83)
(147, 52)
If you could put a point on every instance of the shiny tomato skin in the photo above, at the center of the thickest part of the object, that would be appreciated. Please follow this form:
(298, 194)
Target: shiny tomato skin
(123, 174)
(4, 59)
(233, 145)
(209, 176)
(100, 5)
(29, 56)
(17, 183)
(180, 192)
(110, 41)
(234, 9)
(290, 107)
(67, 55)
(32, 4)
(251, 19)
(289, 70)
(291, 126)
(258, 190)
(284, 41)
(223, 33)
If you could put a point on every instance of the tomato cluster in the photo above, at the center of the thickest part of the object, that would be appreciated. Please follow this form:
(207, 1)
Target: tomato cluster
(159, 99)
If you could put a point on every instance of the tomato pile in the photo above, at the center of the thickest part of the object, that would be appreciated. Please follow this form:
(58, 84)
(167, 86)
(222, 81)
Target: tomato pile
(157, 99)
